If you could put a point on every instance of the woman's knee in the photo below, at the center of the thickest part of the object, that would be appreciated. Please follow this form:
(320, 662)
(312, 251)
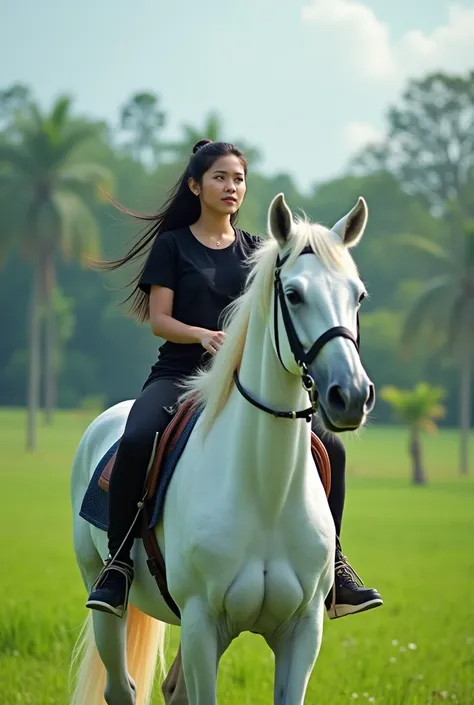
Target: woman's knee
(147, 417)
(138, 436)
(135, 443)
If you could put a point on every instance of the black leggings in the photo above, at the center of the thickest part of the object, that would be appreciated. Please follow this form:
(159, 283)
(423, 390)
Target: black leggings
(148, 417)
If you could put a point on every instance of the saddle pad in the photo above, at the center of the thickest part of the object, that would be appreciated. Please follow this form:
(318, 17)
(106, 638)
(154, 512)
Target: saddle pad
(95, 505)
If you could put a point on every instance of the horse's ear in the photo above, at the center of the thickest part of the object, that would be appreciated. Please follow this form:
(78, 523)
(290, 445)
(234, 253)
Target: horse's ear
(351, 227)
(280, 220)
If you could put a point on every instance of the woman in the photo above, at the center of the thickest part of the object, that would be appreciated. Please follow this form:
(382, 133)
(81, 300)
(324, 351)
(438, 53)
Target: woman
(196, 267)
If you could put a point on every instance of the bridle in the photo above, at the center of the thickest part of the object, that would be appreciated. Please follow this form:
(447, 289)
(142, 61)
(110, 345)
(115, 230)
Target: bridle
(303, 358)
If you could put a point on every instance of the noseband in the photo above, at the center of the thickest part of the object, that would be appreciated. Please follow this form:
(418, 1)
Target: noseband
(303, 358)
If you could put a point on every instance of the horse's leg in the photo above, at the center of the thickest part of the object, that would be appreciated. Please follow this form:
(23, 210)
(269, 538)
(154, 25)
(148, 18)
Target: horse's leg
(296, 649)
(110, 632)
(111, 640)
(202, 647)
(174, 687)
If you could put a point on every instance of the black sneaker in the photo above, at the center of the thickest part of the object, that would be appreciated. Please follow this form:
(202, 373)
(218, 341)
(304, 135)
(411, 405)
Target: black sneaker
(349, 595)
(110, 590)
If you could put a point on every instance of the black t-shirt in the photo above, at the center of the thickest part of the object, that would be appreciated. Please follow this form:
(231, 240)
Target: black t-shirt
(204, 282)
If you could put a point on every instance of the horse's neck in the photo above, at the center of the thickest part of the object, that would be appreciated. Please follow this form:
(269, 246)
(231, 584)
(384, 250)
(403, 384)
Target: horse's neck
(276, 450)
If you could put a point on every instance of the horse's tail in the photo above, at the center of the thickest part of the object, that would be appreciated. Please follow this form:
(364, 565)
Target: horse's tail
(87, 669)
(145, 645)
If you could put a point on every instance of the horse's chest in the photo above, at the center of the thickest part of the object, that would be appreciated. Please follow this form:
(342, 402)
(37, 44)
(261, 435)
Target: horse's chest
(263, 595)
(252, 568)
(260, 582)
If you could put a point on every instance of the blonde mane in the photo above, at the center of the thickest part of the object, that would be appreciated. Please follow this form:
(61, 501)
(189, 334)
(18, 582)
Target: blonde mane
(210, 387)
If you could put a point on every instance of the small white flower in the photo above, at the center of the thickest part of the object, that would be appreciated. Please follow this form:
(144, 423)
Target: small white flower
(394, 642)
(371, 699)
(393, 659)
(354, 696)
(412, 646)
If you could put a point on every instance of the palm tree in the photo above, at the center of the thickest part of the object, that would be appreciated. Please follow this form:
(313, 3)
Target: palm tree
(13, 100)
(39, 165)
(445, 308)
(418, 407)
(142, 117)
(212, 130)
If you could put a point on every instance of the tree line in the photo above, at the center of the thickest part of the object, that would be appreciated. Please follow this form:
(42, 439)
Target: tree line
(65, 341)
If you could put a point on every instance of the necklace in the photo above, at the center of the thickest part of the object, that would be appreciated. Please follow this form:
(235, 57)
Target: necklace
(216, 242)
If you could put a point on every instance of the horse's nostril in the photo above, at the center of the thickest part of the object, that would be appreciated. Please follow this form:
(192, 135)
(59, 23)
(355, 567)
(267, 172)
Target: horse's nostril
(369, 404)
(336, 397)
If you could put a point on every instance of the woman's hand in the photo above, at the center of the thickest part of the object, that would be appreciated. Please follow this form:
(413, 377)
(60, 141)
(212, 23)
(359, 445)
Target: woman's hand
(211, 340)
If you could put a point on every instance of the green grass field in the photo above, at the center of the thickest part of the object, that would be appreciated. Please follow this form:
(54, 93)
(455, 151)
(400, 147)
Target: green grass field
(414, 544)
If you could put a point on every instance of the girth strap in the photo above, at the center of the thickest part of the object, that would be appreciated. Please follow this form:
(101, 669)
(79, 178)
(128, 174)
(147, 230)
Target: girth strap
(156, 564)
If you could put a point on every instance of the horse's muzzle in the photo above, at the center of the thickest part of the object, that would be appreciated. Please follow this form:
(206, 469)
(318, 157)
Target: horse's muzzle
(346, 403)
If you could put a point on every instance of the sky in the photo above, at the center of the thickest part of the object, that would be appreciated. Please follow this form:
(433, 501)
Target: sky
(308, 82)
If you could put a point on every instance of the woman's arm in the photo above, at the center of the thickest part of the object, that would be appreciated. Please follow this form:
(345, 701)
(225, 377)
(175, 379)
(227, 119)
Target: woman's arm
(165, 326)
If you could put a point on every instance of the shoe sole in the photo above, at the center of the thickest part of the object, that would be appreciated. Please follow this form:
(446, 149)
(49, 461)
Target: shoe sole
(104, 607)
(345, 610)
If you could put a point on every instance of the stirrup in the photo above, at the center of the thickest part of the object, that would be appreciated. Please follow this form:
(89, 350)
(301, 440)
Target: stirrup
(124, 569)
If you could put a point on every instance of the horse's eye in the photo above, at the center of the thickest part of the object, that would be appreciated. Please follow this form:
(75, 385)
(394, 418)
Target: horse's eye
(362, 297)
(293, 297)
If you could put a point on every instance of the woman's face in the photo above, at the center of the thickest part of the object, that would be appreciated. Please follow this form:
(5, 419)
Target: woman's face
(223, 186)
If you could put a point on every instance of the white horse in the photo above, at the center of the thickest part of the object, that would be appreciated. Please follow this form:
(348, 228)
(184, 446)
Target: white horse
(247, 534)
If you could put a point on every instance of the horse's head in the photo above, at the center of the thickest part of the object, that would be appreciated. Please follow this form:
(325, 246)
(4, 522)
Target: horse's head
(318, 293)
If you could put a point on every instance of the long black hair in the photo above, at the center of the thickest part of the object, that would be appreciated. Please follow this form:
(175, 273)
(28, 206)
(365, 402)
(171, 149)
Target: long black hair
(181, 208)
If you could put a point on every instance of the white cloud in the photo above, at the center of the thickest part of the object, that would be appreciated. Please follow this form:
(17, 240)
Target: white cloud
(357, 28)
(449, 47)
(372, 53)
(356, 135)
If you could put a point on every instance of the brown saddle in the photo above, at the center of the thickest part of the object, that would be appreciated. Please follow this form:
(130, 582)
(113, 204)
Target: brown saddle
(166, 443)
